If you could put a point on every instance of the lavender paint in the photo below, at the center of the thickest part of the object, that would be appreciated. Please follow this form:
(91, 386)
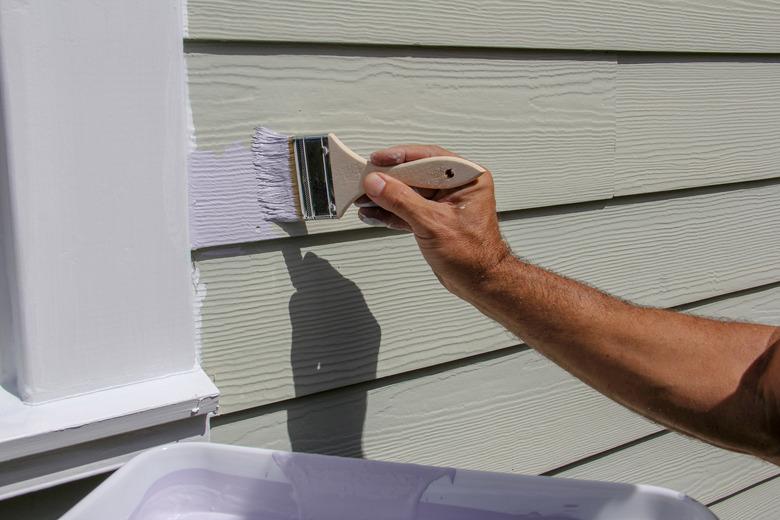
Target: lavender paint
(223, 191)
(319, 490)
(313, 487)
(218, 482)
(330, 488)
(236, 194)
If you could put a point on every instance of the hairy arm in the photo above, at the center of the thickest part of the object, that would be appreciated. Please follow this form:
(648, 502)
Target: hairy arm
(719, 381)
(711, 379)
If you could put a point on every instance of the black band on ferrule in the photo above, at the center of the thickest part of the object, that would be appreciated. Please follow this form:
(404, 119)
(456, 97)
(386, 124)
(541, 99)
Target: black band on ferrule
(316, 181)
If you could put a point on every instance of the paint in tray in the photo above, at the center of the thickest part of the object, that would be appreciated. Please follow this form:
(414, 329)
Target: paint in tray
(204, 481)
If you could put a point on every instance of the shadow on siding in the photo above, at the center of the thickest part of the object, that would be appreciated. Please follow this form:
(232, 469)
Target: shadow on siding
(334, 337)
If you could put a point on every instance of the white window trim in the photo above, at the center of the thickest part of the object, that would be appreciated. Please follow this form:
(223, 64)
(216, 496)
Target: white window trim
(96, 308)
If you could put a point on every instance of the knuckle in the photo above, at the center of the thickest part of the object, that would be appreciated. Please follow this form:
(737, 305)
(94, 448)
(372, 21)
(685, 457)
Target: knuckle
(397, 196)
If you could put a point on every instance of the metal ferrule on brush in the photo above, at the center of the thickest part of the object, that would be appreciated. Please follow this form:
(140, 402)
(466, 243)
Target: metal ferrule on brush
(315, 182)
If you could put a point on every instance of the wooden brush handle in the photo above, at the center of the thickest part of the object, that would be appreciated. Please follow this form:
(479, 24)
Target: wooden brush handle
(432, 172)
(349, 169)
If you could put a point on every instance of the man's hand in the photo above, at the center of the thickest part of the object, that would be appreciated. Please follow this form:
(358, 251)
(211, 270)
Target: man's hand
(456, 229)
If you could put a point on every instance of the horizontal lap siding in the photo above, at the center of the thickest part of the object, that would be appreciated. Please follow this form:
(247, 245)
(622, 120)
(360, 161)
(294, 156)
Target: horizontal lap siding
(683, 124)
(265, 341)
(515, 412)
(701, 471)
(305, 325)
(761, 502)
(553, 131)
(665, 25)
(518, 413)
(761, 306)
(545, 127)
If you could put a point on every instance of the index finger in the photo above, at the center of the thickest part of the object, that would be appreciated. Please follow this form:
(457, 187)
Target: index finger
(407, 152)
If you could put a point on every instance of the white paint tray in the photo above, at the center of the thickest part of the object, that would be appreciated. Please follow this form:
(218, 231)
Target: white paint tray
(203, 481)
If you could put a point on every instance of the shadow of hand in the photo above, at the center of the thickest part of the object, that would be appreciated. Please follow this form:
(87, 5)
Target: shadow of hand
(335, 342)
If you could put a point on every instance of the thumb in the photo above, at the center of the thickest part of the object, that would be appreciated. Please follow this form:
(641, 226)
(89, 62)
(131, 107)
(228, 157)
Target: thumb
(398, 198)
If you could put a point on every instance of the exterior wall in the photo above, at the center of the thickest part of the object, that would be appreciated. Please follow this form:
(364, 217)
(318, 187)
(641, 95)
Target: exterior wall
(586, 148)
(649, 168)
(635, 146)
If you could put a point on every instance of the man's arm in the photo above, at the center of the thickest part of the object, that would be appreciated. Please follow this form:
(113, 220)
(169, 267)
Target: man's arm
(719, 381)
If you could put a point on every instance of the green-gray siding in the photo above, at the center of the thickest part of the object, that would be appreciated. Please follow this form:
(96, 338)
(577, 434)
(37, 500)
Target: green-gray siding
(635, 146)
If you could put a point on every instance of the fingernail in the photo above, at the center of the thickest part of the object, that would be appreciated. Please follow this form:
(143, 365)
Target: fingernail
(374, 184)
(366, 204)
(371, 221)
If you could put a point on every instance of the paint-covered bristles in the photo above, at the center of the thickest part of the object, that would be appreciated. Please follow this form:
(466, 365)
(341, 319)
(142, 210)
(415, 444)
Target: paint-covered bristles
(277, 191)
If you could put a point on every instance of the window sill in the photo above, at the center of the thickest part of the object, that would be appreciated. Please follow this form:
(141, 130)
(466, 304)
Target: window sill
(46, 444)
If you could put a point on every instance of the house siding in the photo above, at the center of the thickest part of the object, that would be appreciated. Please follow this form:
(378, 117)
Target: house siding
(635, 146)
(626, 25)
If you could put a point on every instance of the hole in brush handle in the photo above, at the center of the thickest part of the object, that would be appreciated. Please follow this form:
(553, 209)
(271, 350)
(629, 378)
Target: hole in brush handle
(435, 172)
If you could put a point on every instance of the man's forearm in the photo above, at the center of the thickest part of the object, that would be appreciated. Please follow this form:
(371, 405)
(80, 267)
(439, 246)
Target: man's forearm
(695, 375)
(718, 381)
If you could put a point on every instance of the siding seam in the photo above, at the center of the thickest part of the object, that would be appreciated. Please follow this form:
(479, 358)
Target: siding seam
(259, 47)
(748, 488)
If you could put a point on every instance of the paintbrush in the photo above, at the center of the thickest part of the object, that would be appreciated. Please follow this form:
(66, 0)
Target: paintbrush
(318, 177)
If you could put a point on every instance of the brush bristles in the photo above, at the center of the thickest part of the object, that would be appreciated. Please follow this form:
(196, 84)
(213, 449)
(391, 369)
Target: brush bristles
(277, 176)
